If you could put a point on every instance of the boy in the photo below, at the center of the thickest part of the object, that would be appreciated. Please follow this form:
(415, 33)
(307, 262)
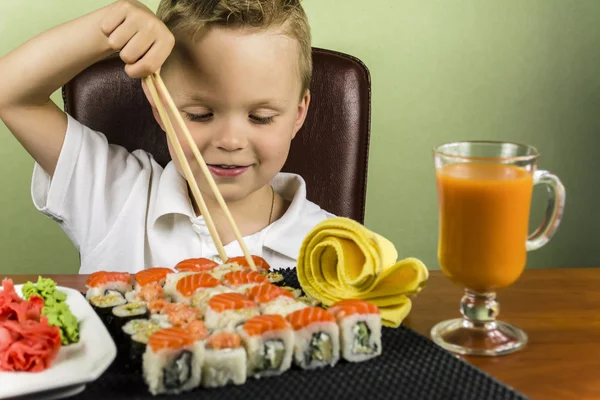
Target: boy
(238, 71)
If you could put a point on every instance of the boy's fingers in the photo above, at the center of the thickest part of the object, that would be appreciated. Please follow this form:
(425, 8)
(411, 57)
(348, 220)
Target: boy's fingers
(136, 47)
(120, 36)
(151, 62)
(117, 14)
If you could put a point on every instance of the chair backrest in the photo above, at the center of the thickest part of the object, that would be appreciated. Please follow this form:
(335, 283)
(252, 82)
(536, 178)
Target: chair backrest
(330, 152)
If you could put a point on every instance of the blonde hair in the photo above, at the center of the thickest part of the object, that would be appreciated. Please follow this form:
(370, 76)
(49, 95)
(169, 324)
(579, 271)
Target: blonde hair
(189, 16)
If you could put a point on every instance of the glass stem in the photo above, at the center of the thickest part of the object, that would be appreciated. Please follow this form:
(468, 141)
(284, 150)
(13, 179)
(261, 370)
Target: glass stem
(480, 309)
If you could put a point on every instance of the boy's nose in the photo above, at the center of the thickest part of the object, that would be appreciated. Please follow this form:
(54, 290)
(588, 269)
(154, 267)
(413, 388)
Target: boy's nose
(230, 138)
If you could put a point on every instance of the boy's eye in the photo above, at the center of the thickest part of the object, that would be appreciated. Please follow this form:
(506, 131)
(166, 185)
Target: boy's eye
(261, 120)
(198, 117)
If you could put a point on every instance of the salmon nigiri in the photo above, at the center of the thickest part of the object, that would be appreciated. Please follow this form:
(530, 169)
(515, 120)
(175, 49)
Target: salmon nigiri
(360, 329)
(227, 310)
(269, 343)
(196, 265)
(317, 342)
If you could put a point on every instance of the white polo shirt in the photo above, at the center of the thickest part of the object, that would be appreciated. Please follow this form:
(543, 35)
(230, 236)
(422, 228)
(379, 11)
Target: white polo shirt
(124, 212)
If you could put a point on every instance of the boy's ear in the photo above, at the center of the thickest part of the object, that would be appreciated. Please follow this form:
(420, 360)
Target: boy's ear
(302, 111)
(151, 101)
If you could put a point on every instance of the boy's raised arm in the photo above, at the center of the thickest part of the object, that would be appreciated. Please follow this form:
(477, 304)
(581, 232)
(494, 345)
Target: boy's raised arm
(33, 71)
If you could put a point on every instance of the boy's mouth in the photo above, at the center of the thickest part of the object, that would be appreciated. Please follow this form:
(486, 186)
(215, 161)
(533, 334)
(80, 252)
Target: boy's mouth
(227, 171)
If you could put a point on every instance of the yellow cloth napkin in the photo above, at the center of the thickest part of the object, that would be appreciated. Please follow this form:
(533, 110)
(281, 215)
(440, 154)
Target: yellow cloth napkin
(341, 259)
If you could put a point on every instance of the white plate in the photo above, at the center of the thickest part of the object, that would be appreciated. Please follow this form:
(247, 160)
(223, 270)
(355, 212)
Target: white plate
(76, 364)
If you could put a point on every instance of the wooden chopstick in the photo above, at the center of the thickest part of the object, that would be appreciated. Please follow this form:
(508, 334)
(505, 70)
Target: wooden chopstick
(153, 81)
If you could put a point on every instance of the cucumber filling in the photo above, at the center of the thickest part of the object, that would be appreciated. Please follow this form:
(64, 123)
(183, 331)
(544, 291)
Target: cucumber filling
(272, 355)
(179, 373)
(320, 348)
(362, 336)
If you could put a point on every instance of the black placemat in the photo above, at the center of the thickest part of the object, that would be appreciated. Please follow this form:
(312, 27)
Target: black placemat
(411, 367)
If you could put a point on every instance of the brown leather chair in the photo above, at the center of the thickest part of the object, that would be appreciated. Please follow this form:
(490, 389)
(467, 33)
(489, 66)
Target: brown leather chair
(330, 152)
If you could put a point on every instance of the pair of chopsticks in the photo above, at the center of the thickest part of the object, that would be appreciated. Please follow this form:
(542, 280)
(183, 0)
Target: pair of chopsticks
(154, 81)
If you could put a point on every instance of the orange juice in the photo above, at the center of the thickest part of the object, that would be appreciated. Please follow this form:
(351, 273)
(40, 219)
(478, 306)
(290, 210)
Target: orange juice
(484, 216)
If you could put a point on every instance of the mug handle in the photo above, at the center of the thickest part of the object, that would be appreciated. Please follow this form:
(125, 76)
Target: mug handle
(554, 210)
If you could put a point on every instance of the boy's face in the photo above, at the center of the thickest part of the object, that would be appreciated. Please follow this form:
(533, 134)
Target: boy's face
(239, 93)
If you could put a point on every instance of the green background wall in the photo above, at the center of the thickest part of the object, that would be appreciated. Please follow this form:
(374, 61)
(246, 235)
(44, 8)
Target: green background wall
(442, 70)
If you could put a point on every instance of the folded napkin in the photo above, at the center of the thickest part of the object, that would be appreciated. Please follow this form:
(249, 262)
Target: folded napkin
(341, 259)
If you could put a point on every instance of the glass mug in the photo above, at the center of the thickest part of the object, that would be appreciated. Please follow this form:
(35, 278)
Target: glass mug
(484, 199)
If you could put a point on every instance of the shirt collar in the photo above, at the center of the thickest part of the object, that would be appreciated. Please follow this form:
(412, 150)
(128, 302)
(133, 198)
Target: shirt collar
(172, 195)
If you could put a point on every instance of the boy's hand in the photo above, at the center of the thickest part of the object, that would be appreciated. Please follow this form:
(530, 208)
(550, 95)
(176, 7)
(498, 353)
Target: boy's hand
(142, 40)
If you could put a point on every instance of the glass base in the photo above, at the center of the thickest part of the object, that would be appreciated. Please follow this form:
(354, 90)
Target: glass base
(490, 339)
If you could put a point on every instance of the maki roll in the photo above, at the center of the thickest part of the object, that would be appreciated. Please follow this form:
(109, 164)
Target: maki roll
(170, 286)
(316, 338)
(125, 313)
(274, 300)
(104, 304)
(244, 280)
(134, 337)
(223, 269)
(202, 296)
(188, 285)
(227, 310)
(196, 265)
(269, 343)
(102, 282)
(224, 360)
(173, 361)
(360, 329)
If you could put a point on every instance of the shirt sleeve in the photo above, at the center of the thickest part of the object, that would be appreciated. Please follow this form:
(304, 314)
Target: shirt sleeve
(92, 182)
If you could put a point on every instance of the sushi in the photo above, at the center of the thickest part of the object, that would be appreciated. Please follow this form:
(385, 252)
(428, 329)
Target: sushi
(170, 286)
(196, 265)
(202, 296)
(134, 338)
(223, 269)
(261, 264)
(151, 275)
(188, 285)
(269, 343)
(243, 280)
(316, 338)
(173, 361)
(104, 304)
(125, 313)
(274, 300)
(227, 310)
(360, 329)
(224, 360)
(102, 282)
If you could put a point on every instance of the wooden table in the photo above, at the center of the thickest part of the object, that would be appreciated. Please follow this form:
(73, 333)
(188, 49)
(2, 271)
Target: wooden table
(558, 308)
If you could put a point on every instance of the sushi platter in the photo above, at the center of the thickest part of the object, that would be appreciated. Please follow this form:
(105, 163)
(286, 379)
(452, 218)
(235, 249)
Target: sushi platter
(206, 325)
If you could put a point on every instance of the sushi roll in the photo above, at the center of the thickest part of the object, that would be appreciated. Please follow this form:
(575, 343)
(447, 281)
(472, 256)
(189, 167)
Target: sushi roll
(316, 338)
(134, 338)
(269, 343)
(227, 310)
(104, 304)
(261, 264)
(244, 280)
(224, 360)
(202, 296)
(125, 313)
(151, 275)
(196, 265)
(274, 300)
(173, 361)
(170, 286)
(102, 282)
(223, 269)
(188, 285)
(360, 329)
